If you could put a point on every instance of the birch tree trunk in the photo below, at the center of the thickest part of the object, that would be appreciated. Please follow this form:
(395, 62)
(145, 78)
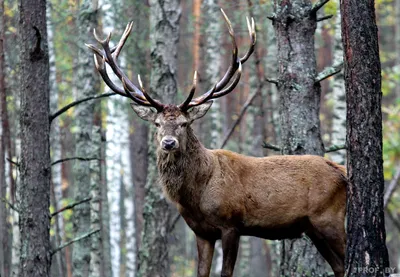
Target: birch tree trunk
(295, 25)
(366, 249)
(35, 168)
(164, 20)
(87, 84)
(339, 96)
(96, 251)
(55, 144)
(397, 43)
(4, 266)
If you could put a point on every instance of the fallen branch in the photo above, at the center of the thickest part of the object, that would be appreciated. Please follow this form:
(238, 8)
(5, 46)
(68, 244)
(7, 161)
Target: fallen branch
(328, 72)
(71, 206)
(73, 104)
(271, 146)
(317, 6)
(391, 187)
(74, 158)
(62, 246)
(334, 148)
(5, 201)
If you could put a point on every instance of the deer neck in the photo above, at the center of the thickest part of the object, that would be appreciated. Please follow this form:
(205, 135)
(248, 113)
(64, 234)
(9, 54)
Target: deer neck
(185, 173)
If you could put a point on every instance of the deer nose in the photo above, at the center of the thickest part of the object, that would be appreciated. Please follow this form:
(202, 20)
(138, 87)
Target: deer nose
(168, 144)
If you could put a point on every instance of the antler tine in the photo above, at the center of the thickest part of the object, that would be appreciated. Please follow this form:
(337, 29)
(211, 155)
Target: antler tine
(137, 100)
(112, 61)
(252, 33)
(185, 104)
(100, 66)
(123, 39)
(235, 69)
(200, 100)
(234, 65)
(156, 104)
(232, 86)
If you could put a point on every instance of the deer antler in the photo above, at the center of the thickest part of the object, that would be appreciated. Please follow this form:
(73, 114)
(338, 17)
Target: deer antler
(235, 69)
(110, 55)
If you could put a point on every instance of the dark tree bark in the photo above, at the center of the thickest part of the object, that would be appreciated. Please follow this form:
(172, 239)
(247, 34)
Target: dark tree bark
(34, 190)
(295, 24)
(164, 21)
(366, 253)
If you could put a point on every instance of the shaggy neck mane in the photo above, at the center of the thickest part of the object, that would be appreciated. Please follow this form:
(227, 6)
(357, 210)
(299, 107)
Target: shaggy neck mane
(184, 173)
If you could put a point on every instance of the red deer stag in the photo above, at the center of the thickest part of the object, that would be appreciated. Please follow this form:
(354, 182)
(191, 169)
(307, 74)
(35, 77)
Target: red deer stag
(225, 195)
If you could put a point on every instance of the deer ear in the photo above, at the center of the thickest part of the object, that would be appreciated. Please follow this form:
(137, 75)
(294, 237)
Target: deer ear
(145, 113)
(199, 111)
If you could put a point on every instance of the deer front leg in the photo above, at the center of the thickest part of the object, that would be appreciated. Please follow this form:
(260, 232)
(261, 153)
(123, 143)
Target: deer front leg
(230, 245)
(205, 249)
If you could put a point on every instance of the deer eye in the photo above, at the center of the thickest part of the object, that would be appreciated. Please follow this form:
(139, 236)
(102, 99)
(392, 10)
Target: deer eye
(183, 125)
(157, 125)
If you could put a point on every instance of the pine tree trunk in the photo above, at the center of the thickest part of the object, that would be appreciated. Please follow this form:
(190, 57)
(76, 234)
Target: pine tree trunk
(87, 84)
(299, 112)
(366, 252)
(164, 20)
(34, 191)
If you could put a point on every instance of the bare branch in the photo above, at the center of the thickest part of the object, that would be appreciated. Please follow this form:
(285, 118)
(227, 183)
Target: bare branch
(74, 158)
(391, 187)
(317, 6)
(240, 116)
(272, 81)
(271, 146)
(334, 148)
(171, 227)
(13, 162)
(319, 19)
(62, 246)
(5, 201)
(328, 72)
(77, 102)
(272, 17)
(71, 206)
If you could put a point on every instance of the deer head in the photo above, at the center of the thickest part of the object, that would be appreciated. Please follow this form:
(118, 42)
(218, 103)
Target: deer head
(172, 121)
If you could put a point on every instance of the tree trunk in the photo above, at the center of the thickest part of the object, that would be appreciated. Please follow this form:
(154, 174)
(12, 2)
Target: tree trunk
(366, 252)
(397, 43)
(96, 251)
(106, 267)
(4, 266)
(55, 146)
(339, 96)
(164, 20)
(295, 26)
(87, 84)
(34, 191)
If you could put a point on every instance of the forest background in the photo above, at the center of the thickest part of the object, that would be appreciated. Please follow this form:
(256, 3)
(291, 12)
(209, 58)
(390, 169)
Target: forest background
(114, 163)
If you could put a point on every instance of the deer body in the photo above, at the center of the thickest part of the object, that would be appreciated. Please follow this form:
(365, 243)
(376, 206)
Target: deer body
(225, 195)
(277, 197)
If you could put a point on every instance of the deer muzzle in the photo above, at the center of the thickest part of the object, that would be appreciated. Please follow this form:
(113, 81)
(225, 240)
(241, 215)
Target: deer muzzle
(169, 143)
